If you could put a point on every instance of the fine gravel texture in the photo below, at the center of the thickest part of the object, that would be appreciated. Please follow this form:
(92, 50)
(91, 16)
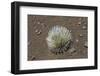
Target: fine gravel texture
(38, 28)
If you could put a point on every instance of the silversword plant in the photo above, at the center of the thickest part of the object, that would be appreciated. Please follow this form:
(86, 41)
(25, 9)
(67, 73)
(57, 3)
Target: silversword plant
(59, 39)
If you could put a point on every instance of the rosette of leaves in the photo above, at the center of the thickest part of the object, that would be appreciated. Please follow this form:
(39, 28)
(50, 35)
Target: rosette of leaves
(59, 39)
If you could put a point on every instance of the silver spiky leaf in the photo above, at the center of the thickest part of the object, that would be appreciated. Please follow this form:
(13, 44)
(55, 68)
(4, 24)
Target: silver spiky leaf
(59, 39)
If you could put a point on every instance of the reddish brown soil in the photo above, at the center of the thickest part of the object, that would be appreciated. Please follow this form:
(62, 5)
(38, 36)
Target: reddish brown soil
(38, 27)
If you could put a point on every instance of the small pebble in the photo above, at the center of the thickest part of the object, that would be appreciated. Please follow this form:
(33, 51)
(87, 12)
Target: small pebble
(38, 32)
(86, 45)
(38, 23)
(81, 35)
(77, 40)
(33, 58)
(79, 23)
(72, 50)
(84, 27)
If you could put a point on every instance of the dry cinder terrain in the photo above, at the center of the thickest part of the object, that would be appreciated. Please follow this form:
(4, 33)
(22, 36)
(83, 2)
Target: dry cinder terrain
(38, 27)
